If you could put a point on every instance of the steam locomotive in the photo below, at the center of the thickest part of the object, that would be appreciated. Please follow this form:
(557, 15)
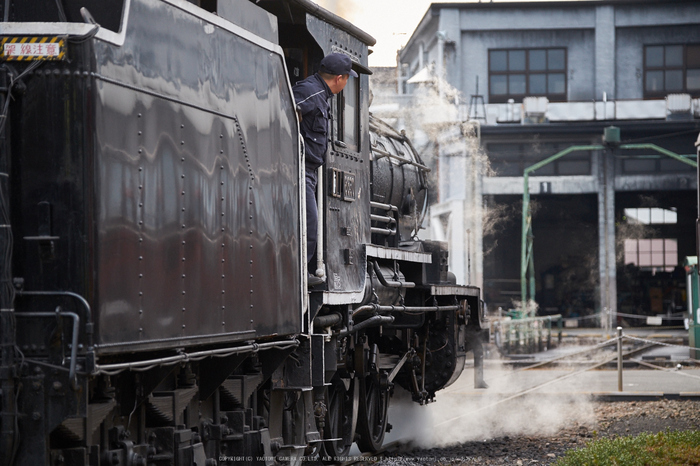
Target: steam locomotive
(154, 306)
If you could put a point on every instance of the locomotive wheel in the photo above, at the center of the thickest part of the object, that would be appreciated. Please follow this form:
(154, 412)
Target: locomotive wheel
(372, 419)
(341, 419)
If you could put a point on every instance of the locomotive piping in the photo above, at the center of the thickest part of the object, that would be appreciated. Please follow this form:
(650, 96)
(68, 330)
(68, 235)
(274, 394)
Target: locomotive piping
(384, 153)
(392, 308)
(112, 369)
(387, 283)
(327, 320)
(373, 321)
(83, 301)
(383, 231)
(387, 207)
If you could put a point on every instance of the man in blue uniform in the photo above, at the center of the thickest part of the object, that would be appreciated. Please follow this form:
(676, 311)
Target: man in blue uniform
(311, 96)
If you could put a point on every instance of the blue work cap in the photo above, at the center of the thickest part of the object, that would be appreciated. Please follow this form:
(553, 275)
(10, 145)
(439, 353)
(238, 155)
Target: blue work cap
(337, 64)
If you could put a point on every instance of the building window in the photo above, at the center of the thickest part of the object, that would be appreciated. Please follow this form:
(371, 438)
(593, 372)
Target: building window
(652, 215)
(511, 159)
(643, 162)
(670, 69)
(518, 73)
(654, 255)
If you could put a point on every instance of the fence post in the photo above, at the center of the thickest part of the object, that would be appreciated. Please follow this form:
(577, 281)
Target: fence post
(619, 359)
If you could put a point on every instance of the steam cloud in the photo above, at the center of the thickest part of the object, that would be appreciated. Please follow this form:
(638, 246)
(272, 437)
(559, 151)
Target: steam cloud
(462, 414)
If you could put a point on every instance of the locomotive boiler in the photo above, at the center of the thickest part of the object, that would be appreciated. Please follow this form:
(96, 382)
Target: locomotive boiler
(153, 300)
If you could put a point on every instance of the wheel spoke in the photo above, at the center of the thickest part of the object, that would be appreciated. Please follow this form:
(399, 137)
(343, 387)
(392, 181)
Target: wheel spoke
(338, 420)
(372, 420)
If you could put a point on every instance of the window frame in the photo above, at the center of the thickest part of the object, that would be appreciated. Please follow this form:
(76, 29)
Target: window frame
(341, 129)
(528, 72)
(522, 155)
(684, 67)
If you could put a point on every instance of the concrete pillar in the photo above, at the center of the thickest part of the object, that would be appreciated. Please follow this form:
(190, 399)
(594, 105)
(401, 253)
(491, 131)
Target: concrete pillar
(440, 62)
(606, 239)
(605, 52)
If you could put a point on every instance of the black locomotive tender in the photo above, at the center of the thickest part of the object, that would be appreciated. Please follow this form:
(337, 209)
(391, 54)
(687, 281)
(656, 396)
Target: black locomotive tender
(154, 306)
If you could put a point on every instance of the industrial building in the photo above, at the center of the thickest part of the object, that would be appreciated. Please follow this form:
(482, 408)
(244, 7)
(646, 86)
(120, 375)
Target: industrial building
(612, 222)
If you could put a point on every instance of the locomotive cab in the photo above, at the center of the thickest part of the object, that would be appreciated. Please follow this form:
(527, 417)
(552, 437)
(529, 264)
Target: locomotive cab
(153, 307)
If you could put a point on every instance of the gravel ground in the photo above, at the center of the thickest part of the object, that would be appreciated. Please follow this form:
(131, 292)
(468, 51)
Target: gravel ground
(610, 420)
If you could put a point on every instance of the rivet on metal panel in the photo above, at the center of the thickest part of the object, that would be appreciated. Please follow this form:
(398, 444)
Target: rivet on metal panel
(139, 115)
(183, 275)
(140, 311)
(182, 143)
(140, 133)
(140, 258)
(183, 325)
(182, 126)
(140, 329)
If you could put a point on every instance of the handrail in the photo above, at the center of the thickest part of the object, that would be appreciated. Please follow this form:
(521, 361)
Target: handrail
(74, 337)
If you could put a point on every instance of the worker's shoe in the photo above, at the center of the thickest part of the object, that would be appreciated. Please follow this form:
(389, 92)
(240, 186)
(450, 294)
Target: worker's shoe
(313, 280)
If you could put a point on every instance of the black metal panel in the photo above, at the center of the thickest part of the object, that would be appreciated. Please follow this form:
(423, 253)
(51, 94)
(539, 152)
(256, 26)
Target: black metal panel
(198, 167)
(347, 226)
(51, 202)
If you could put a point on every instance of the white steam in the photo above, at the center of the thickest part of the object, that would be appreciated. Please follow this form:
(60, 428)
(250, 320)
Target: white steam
(462, 413)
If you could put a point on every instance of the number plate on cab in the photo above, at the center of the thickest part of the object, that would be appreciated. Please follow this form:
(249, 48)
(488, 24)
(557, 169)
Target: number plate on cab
(33, 48)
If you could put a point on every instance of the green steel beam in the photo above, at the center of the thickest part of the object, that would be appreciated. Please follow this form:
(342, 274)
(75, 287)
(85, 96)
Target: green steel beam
(526, 246)
(660, 150)
(527, 239)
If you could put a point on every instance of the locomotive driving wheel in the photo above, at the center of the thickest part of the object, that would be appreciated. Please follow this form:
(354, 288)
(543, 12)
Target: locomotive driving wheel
(372, 419)
(341, 418)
